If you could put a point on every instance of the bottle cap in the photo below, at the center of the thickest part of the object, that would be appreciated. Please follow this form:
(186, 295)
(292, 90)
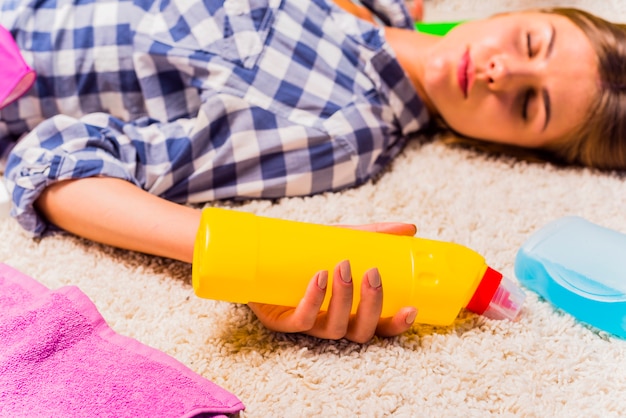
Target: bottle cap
(506, 302)
(497, 297)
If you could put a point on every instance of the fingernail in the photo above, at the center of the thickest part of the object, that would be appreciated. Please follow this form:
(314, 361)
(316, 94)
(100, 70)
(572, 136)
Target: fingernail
(373, 277)
(410, 318)
(322, 279)
(345, 272)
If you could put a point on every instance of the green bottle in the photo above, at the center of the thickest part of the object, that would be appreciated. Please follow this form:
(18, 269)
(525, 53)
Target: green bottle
(435, 28)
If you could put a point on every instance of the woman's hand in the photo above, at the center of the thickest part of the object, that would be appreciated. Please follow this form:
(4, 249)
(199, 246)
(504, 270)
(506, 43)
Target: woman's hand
(416, 8)
(356, 9)
(337, 322)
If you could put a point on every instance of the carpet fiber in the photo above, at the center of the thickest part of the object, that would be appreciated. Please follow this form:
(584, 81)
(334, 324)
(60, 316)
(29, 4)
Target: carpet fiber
(545, 364)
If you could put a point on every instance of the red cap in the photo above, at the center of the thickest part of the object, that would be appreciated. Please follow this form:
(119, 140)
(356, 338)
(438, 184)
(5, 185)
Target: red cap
(485, 291)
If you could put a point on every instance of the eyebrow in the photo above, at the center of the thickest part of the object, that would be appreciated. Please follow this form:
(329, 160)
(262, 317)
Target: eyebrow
(544, 92)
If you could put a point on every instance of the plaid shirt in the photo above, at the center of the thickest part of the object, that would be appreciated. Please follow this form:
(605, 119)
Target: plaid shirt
(195, 101)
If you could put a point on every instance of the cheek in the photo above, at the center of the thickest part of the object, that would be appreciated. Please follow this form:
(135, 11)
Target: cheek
(471, 30)
(487, 121)
(435, 77)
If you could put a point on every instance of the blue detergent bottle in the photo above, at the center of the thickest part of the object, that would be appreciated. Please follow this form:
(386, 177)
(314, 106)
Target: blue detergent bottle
(579, 267)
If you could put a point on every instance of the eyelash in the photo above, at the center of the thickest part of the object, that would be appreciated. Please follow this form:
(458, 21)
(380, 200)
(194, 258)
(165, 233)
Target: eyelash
(529, 93)
(529, 45)
(527, 96)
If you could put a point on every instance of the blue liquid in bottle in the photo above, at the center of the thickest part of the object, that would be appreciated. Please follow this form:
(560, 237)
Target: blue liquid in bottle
(579, 267)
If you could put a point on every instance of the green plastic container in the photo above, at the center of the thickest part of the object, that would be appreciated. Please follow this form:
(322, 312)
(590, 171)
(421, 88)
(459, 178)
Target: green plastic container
(435, 28)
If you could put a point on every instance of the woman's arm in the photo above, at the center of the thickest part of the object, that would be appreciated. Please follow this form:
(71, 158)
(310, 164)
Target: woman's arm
(118, 213)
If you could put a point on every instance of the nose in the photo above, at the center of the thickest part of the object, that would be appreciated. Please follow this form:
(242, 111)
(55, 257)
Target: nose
(505, 72)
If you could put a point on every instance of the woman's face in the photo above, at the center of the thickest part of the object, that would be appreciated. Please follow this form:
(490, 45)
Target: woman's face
(522, 79)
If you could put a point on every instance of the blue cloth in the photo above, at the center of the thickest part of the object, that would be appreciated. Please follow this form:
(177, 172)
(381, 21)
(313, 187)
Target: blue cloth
(195, 101)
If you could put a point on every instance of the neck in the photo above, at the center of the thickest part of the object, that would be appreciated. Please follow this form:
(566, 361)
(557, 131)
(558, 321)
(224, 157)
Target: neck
(411, 49)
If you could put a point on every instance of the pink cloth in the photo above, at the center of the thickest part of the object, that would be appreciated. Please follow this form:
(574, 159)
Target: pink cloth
(16, 77)
(58, 357)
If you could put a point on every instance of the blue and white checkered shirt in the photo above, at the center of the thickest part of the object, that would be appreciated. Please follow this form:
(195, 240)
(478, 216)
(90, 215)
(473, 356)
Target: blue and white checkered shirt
(195, 101)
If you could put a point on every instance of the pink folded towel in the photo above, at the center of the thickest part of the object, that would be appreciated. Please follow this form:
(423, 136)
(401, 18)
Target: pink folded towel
(59, 358)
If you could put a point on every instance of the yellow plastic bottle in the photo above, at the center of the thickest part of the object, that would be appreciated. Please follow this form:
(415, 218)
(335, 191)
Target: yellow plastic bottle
(241, 257)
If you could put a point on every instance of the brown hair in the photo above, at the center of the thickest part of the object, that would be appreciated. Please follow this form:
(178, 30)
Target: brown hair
(598, 141)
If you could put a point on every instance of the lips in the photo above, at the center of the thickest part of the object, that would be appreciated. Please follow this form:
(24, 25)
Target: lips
(462, 73)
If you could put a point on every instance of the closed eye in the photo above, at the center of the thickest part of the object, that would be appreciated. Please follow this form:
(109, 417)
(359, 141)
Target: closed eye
(529, 45)
(527, 96)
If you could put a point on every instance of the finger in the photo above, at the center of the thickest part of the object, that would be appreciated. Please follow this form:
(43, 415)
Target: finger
(334, 324)
(397, 324)
(396, 228)
(303, 317)
(363, 325)
(307, 311)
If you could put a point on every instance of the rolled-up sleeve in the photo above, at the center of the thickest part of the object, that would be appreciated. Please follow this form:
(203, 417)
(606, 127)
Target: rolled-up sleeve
(65, 148)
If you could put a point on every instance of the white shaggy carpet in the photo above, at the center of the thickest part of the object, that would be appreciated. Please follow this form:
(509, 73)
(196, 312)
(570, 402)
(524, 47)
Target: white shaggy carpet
(544, 365)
